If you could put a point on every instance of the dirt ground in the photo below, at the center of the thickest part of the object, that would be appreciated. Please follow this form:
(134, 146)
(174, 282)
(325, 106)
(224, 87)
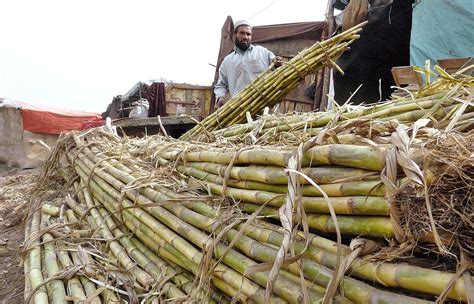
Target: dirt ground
(15, 187)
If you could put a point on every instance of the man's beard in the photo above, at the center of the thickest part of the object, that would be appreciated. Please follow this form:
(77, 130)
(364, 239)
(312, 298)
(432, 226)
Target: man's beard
(242, 45)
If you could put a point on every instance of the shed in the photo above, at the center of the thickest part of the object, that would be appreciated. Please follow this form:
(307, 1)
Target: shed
(27, 132)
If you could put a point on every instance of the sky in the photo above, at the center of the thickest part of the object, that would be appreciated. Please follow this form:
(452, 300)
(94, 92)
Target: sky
(80, 54)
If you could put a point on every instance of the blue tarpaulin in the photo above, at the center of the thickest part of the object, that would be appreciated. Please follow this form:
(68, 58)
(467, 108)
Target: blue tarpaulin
(441, 29)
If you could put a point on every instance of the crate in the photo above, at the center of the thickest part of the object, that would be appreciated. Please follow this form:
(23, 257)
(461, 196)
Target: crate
(406, 77)
(182, 98)
(452, 65)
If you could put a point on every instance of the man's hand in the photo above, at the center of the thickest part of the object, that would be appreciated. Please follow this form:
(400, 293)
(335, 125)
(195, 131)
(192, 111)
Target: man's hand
(219, 102)
(278, 61)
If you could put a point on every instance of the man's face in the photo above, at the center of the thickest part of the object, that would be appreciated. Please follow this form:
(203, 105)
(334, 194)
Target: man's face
(243, 37)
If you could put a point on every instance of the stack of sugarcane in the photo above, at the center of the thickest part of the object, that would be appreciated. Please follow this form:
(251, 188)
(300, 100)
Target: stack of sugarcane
(80, 253)
(158, 219)
(343, 183)
(348, 175)
(272, 86)
(154, 230)
(58, 269)
(449, 96)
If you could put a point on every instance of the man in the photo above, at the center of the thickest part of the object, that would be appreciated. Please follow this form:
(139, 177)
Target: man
(241, 66)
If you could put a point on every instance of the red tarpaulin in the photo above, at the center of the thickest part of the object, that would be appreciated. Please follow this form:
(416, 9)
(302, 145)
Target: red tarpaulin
(55, 120)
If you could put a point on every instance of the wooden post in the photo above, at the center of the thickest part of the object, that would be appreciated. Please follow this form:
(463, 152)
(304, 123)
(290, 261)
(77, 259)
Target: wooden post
(327, 71)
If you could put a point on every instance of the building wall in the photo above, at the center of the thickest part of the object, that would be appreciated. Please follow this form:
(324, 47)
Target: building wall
(18, 147)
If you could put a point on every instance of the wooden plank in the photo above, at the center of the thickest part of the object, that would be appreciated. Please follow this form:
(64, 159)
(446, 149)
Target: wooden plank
(153, 121)
(188, 86)
(452, 65)
(406, 76)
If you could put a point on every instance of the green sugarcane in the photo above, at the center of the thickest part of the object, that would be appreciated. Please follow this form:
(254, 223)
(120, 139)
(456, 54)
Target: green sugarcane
(90, 288)
(191, 233)
(277, 175)
(249, 288)
(177, 275)
(394, 275)
(74, 285)
(361, 205)
(258, 251)
(277, 199)
(405, 276)
(118, 251)
(202, 223)
(34, 254)
(264, 191)
(255, 250)
(400, 110)
(57, 292)
(372, 226)
(232, 258)
(288, 80)
(145, 263)
(282, 77)
(363, 157)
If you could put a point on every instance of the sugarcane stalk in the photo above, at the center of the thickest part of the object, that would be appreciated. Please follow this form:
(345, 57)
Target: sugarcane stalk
(26, 264)
(360, 205)
(158, 231)
(372, 226)
(177, 275)
(283, 287)
(118, 251)
(249, 289)
(363, 157)
(275, 84)
(277, 175)
(74, 285)
(57, 293)
(34, 254)
(206, 223)
(386, 111)
(289, 82)
(89, 286)
(277, 199)
(363, 269)
(257, 250)
(50, 209)
(265, 123)
(405, 276)
(145, 263)
(141, 258)
(355, 156)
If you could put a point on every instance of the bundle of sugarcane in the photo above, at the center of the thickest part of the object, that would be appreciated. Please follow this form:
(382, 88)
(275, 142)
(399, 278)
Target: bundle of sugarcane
(58, 267)
(271, 86)
(447, 102)
(80, 253)
(223, 249)
(347, 179)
